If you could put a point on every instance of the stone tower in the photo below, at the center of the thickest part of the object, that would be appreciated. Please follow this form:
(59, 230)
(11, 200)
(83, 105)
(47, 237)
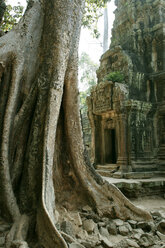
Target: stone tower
(128, 118)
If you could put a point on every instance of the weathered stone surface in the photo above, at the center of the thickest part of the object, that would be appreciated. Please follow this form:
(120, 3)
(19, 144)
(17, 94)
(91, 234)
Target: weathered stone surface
(87, 208)
(156, 246)
(2, 241)
(146, 240)
(105, 220)
(104, 232)
(96, 230)
(90, 243)
(118, 222)
(82, 234)
(67, 227)
(128, 226)
(86, 131)
(138, 231)
(76, 245)
(145, 226)
(19, 243)
(156, 214)
(121, 244)
(89, 225)
(133, 223)
(123, 230)
(161, 236)
(56, 215)
(122, 113)
(91, 215)
(101, 224)
(105, 242)
(77, 219)
(136, 236)
(132, 243)
(112, 228)
(4, 227)
(161, 227)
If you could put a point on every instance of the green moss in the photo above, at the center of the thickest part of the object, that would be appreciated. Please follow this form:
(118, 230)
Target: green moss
(115, 76)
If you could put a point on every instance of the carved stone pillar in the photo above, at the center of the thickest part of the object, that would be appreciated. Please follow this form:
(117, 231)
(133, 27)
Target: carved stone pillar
(161, 151)
(102, 142)
(92, 124)
(122, 160)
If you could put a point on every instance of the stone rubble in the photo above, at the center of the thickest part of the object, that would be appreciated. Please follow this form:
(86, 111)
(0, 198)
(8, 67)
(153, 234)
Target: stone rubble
(98, 232)
(105, 233)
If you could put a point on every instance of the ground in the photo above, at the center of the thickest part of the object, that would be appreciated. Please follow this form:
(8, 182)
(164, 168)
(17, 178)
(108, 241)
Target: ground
(88, 230)
(152, 203)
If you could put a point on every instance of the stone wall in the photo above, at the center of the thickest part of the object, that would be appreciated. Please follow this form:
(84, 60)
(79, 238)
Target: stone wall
(86, 131)
(133, 111)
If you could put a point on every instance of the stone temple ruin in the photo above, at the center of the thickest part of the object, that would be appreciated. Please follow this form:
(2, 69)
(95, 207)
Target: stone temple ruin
(128, 118)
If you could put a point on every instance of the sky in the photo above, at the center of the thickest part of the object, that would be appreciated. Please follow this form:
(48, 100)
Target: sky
(93, 46)
(15, 2)
(87, 43)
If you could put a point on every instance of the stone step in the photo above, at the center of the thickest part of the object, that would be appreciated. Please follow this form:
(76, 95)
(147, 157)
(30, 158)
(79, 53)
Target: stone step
(162, 164)
(107, 167)
(147, 168)
(160, 172)
(134, 188)
(117, 175)
(104, 173)
(162, 168)
(139, 175)
(107, 170)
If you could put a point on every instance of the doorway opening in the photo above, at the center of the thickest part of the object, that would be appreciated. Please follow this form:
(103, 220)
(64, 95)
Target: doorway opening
(110, 146)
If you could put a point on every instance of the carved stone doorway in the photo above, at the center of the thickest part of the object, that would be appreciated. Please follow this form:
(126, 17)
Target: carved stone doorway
(110, 146)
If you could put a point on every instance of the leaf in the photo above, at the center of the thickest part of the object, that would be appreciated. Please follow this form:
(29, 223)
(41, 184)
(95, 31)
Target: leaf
(92, 12)
(11, 17)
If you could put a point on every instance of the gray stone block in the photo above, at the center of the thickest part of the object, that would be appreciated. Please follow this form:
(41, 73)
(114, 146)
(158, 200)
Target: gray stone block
(76, 245)
(67, 227)
(112, 229)
(89, 225)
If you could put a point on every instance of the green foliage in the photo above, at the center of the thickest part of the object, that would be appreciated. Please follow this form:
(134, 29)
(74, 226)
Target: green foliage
(11, 17)
(87, 70)
(83, 105)
(115, 76)
(92, 12)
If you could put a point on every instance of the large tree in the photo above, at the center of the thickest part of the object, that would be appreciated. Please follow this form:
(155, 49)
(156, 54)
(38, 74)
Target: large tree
(42, 159)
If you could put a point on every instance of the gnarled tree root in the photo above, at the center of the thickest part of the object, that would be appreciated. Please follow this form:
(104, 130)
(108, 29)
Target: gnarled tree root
(18, 233)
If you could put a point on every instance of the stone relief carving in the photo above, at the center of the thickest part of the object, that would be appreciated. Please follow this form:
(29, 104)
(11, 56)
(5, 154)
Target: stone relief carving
(137, 50)
(101, 96)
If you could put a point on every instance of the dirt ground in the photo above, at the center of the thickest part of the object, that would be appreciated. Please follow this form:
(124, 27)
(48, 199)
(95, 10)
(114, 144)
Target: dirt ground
(153, 203)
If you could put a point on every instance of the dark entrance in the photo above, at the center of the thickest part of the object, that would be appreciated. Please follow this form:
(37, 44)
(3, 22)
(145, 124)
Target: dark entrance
(98, 141)
(110, 146)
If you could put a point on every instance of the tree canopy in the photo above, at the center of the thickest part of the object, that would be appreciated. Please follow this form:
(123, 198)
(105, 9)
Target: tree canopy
(11, 16)
(92, 12)
(87, 71)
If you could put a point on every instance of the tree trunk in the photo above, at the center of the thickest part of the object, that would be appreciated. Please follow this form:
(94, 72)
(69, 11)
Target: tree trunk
(106, 28)
(43, 166)
(2, 9)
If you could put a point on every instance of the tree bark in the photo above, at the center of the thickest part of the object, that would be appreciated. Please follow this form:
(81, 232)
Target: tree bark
(2, 9)
(106, 29)
(42, 160)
